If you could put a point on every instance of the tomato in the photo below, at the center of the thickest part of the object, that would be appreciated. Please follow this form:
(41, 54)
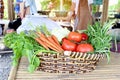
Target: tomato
(75, 36)
(84, 36)
(85, 48)
(68, 45)
(64, 39)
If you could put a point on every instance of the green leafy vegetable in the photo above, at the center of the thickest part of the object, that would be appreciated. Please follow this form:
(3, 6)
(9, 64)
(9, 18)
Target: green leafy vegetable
(60, 33)
(99, 38)
(24, 45)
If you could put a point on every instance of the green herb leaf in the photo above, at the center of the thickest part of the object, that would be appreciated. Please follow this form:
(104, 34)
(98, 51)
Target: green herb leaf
(99, 38)
(36, 61)
(31, 68)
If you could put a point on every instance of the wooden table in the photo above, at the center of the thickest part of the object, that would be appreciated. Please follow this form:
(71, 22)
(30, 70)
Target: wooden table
(103, 71)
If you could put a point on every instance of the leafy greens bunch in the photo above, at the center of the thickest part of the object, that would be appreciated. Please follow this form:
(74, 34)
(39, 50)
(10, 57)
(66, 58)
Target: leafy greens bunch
(24, 45)
(99, 37)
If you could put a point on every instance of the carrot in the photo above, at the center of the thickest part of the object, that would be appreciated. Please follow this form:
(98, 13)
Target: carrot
(53, 42)
(51, 47)
(40, 34)
(50, 43)
(37, 34)
(55, 39)
(42, 43)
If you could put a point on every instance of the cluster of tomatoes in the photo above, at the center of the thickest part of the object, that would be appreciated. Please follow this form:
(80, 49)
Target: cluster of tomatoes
(73, 42)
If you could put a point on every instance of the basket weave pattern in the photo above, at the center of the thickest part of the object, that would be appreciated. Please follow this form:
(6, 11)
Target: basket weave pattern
(73, 63)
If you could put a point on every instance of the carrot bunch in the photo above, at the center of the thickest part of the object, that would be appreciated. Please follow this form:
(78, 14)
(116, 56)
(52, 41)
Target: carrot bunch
(48, 42)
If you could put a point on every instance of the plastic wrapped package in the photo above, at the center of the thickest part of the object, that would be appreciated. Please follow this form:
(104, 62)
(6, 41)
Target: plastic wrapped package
(30, 22)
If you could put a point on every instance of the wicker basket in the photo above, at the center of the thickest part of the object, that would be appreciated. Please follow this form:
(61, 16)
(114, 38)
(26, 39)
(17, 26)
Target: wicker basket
(69, 62)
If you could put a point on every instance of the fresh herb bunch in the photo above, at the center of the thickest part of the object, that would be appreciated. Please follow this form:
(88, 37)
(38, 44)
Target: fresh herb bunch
(99, 38)
(24, 45)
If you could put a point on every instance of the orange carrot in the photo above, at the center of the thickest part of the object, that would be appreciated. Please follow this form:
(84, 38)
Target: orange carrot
(37, 34)
(50, 43)
(42, 43)
(40, 34)
(55, 39)
(51, 47)
(50, 39)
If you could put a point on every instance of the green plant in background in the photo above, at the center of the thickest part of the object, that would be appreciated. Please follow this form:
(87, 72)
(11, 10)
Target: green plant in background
(94, 9)
(118, 5)
(44, 4)
(115, 7)
(66, 4)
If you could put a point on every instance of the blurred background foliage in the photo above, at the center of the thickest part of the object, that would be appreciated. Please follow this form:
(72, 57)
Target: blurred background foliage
(115, 7)
(65, 7)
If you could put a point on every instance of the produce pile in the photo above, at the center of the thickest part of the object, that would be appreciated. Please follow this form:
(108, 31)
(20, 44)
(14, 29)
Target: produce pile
(94, 40)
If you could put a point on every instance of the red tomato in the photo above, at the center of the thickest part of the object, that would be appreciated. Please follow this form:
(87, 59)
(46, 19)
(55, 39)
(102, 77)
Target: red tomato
(75, 36)
(85, 48)
(84, 36)
(68, 45)
(64, 39)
